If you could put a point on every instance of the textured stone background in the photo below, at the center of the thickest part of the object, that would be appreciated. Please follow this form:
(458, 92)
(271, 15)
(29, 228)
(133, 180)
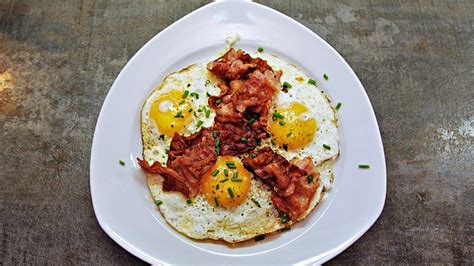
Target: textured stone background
(59, 58)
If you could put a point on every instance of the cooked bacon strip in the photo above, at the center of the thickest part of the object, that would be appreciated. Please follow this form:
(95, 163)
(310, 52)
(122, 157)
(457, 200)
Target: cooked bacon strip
(243, 104)
(292, 191)
(236, 64)
(188, 159)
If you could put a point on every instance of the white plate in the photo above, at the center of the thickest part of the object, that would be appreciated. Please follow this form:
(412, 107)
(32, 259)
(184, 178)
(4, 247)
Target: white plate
(120, 196)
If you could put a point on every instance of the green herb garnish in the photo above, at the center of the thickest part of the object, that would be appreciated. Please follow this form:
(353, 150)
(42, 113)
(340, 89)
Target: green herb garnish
(231, 193)
(230, 164)
(226, 172)
(217, 101)
(158, 202)
(179, 114)
(327, 147)
(283, 217)
(338, 106)
(287, 85)
(223, 180)
(189, 201)
(195, 95)
(217, 147)
(251, 120)
(208, 113)
(364, 166)
(312, 82)
(260, 49)
(215, 172)
(235, 174)
(216, 202)
(325, 76)
(162, 136)
(185, 94)
(256, 203)
(253, 155)
(199, 123)
(275, 116)
(281, 122)
(310, 178)
(272, 141)
(215, 134)
(122, 163)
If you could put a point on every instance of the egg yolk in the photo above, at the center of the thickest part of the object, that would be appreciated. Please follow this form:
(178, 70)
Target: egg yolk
(227, 183)
(170, 112)
(291, 127)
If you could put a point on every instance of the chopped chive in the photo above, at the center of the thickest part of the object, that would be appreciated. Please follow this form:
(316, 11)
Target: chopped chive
(256, 203)
(364, 166)
(289, 134)
(338, 106)
(216, 202)
(218, 186)
(189, 201)
(243, 139)
(272, 141)
(194, 94)
(226, 172)
(312, 82)
(260, 49)
(283, 217)
(217, 101)
(207, 94)
(231, 193)
(325, 76)
(235, 174)
(215, 134)
(277, 115)
(223, 180)
(253, 155)
(327, 147)
(158, 202)
(259, 237)
(251, 120)
(208, 113)
(285, 147)
(281, 122)
(310, 178)
(236, 180)
(179, 114)
(217, 146)
(207, 82)
(199, 123)
(121, 162)
(215, 172)
(162, 136)
(259, 141)
(190, 110)
(230, 164)
(167, 151)
(287, 85)
(185, 94)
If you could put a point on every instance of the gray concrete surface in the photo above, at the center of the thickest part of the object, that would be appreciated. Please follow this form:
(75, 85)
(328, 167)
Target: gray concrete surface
(59, 58)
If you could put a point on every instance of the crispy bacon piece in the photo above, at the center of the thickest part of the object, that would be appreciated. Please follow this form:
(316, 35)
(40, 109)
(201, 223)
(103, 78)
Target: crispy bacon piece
(236, 64)
(243, 104)
(292, 190)
(188, 159)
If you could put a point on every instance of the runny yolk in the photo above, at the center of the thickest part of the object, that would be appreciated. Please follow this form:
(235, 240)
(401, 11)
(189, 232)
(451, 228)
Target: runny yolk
(227, 183)
(290, 126)
(170, 112)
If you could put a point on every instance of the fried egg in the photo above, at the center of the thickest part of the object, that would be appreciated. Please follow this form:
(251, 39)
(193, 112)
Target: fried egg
(302, 121)
(179, 104)
(201, 218)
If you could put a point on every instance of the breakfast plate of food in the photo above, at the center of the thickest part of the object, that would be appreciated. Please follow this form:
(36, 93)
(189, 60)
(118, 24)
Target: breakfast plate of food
(224, 140)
